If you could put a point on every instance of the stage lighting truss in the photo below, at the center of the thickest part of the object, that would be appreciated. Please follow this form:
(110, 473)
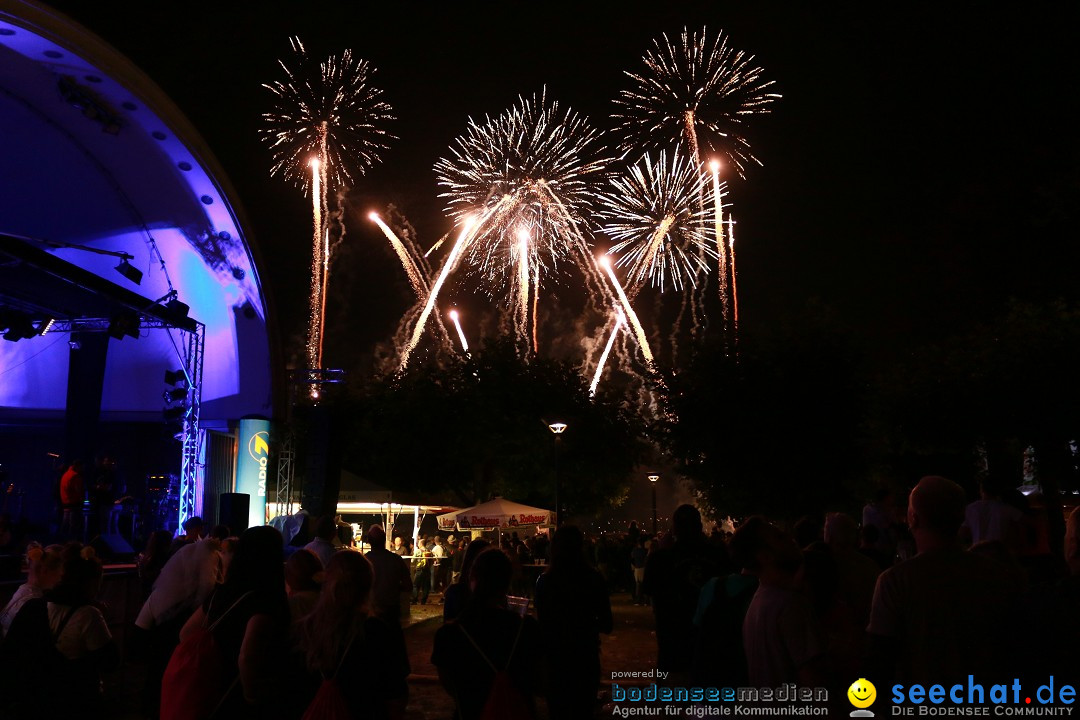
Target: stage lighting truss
(189, 349)
(191, 465)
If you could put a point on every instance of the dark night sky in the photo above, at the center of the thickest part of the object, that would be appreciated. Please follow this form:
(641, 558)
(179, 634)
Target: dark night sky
(920, 169)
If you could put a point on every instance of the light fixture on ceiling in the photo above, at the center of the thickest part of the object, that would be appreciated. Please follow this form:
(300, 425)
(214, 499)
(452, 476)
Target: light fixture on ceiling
(124, 322)
(179, 309)
(175, 395)
(174, 414)
(175, 377)
(129, 271)
(17, 325)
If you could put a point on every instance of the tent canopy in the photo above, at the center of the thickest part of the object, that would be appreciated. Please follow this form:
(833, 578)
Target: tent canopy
(496, 514)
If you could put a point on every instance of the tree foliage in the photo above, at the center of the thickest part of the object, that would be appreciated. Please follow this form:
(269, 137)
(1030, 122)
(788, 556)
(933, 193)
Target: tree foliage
(802, 419)
(477, 427)
(1005, 386)
(775, 428)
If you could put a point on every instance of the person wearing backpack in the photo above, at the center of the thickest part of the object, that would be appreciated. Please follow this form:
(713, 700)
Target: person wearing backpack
(232, 649)
(355, 664)
(488, 659)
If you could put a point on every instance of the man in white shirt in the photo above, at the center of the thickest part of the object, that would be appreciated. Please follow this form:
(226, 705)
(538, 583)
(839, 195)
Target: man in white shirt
(944, 614)
(780, 633)
(438, 571)
(188, 578)
(185, 582)
(324, 545)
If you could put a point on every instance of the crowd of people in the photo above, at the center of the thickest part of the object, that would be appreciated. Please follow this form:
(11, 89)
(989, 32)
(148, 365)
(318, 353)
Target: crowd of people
(927, 591)
(246, 626)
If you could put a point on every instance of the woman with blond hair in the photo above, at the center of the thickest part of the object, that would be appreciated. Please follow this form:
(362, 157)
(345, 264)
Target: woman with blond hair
(342, 638)
(45, 565)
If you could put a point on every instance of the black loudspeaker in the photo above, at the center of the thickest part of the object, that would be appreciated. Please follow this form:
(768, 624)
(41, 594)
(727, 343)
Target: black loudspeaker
(233, 511)
(112, 547)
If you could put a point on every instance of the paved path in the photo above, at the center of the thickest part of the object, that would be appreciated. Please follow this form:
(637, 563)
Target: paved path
(631, 646)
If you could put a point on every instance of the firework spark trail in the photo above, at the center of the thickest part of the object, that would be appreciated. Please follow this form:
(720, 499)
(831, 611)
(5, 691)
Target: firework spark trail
(523, 282)
(721, 246)
(691, 135)
(325, 284)
(620, 320)
(411, 271)
(315, 300)
(437, 245)
(649, 257)
(694, 93)
(655, 218)
(643, 342)
(406, 234)
(324, 188)
(463, 239)
(461, 333)
(535, 308)
(734, 285)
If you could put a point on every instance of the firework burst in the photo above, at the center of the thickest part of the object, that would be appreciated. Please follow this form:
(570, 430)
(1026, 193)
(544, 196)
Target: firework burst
(695, 92)
(529, 170)
(325, 117)
(654, 214)
(327, 110)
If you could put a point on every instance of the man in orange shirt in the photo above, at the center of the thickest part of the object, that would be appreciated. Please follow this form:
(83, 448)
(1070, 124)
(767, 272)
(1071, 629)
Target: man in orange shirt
(72, 491)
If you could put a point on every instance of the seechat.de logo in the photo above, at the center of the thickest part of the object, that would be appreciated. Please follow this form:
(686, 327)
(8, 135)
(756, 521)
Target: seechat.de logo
(862, 694)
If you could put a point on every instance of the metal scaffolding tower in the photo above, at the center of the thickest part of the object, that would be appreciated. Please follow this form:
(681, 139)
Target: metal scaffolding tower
(190, 353)
(192, 465)
(286, 473)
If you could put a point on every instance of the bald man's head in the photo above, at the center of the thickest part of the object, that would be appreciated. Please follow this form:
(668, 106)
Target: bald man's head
(937, 505)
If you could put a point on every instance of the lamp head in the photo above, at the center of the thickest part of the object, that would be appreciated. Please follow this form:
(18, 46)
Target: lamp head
(558, 427)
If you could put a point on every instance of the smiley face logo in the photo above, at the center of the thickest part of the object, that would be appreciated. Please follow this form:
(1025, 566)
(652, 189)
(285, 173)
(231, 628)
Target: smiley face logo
(862, 693)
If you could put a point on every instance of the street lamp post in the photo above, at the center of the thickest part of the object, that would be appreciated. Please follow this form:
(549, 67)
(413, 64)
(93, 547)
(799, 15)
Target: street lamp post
(557, 429)
(653, 477)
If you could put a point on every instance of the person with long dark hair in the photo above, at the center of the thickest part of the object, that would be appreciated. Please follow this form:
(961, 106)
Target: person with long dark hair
(573, 607)
(151, 560)
(249, 614)
(457, 595)
(490, 653)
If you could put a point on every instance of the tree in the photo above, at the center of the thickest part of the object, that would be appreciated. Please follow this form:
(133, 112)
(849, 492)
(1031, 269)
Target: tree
(1003, 385)
(477, 427)
(776, 429)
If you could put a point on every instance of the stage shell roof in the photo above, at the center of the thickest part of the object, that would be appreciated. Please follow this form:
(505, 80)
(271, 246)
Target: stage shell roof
(94, 154)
